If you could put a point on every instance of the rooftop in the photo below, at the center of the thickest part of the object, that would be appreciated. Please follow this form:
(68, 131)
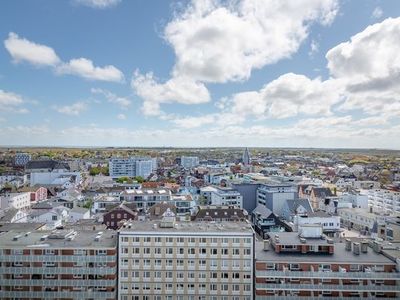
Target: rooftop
(57, 239)
(190, 227)
(340, 255)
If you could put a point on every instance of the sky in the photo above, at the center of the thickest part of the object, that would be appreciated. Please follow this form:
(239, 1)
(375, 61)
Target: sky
(255, 73)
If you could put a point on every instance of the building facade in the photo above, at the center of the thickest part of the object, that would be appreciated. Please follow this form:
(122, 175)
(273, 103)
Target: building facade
(131, 167)
(58, 265)
(21, 159)
(189, 162)
(169, 260)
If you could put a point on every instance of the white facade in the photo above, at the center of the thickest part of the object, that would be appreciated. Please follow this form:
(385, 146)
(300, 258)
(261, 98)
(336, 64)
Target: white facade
(76, 214)
(356, 200)
(360, 219)
(221, 196)
(132, 167)
(186, 261)
(189, 162)
(383, 201)
(275, 196)
(328, 223)
(57, 176)
(16, 200)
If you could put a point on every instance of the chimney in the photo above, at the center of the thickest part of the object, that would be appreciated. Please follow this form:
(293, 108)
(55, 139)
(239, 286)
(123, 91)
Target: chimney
(377, 246)
(266, 245)
(348, 245)
(356, 248)
(364, 246)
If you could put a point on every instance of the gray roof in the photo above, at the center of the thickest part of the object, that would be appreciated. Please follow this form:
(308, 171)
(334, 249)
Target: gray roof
(46, 164)
(293, 204)
(84, 239)
(322, 192)
(7, 214)
(340, 255)
(78, 209)
(262, 210)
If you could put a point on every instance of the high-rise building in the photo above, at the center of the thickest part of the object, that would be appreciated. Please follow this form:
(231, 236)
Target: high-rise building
(246, 157)
(132, 167)
(185, 260)
(64, 264)
(188, 162)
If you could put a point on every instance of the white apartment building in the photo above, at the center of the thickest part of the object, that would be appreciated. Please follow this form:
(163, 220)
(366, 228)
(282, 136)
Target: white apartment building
(222, 196)
(274, 196)
(132, 167)
(169, 260)
(16, 200)
(145, 198)
(189, 161)
(383, 201)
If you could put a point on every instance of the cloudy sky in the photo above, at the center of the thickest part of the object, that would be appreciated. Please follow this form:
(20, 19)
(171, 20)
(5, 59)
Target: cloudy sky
(273, 73)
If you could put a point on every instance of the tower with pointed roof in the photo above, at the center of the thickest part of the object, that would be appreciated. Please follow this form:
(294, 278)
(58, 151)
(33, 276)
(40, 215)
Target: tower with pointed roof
(246, 157)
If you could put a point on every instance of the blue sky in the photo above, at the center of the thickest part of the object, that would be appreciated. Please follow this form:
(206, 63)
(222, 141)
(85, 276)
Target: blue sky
(307, 73)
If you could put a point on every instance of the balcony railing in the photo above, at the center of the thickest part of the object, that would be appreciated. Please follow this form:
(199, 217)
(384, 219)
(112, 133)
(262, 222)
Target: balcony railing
(58, 258)
(59, 270)
(53, 295)
(58, 282)
(325, 275)
(328, 287)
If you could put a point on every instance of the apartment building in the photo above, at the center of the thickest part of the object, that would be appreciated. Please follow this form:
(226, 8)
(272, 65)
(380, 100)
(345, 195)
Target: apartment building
(185, 260)
(132, 167)
(216, 195)
(292, 267)
(330, 223)
(62, 264)
(273, 196)
(145, 198)
(384, 201)
(15, 200)
(21, 159)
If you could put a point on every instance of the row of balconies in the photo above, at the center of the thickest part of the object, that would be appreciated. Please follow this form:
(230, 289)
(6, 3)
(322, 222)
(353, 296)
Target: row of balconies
(305, 274)
(59, 270)
(329, 287)
(190, 268)
(58, 295)
(58, 258)
(201, 280)
(58, 282)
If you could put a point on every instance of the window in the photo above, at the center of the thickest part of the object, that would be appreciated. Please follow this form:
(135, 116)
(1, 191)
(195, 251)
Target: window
(54, 218)
(101, 252)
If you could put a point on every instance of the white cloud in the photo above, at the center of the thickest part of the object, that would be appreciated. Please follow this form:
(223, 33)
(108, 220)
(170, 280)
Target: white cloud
(98, 3)
(11, 102)
(178, 89)
(73, 109)
(112, 98)
(220, 41)
(288, 96)
(84, 68)
(121, 117)
(193, 122)
(369, 66)
(377, 13)
(21, 49)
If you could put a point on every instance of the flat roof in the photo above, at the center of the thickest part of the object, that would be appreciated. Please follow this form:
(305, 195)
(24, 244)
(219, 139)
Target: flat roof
(84, 239)
(340, 255)
(190, 227)
(293, 238)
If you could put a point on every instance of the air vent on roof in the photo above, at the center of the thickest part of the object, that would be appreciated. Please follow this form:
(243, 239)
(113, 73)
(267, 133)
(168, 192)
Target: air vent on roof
(97, 238)
(44, 237)
(17, 237)
(303, 240)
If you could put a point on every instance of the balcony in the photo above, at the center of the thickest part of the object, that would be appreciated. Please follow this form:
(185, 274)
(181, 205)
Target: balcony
(326, 275)
(58, 282)
(329, 287)
(57, 270)
(58, 258)
(53, 295)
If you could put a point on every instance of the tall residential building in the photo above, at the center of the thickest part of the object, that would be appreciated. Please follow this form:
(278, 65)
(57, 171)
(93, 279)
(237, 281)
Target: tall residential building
(64, 264)
(21, 159)
(246, 157)
(189, 162)
(383, 201)
(216, 195)
(132, 166)
(196, 260)
(289, 266)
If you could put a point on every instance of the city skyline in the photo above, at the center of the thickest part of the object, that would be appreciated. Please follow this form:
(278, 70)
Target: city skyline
(307, 74)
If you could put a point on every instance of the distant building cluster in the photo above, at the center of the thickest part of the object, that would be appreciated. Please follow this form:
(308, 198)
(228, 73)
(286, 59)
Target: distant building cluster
(197, 226)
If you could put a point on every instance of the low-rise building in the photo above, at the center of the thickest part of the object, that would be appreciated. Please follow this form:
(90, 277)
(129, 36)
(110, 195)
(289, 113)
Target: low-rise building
(264, 220)
(361, 219)
(15, 200)
(113, 218)
(219, 213)
(330, 223)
